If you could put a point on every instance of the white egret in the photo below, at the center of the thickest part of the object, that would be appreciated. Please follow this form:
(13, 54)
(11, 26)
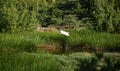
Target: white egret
(64, 33)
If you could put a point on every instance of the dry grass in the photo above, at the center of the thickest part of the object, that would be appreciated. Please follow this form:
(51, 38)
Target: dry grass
(47, 29)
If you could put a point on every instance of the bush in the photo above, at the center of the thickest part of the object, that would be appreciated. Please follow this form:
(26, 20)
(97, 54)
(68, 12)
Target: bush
(112, 62)
(105, 16)
(18, 15)
(85, 61)
(94, 14)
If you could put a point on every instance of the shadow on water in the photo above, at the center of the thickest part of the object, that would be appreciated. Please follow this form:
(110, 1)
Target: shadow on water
(89, 50)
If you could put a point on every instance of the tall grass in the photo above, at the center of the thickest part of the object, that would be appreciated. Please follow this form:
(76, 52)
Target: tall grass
(24, 41)
(94, 39)
(12, 60)
(77, 39)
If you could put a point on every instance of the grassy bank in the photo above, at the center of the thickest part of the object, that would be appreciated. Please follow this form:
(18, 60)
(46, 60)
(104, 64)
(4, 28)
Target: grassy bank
(87, 38)
(78, 39)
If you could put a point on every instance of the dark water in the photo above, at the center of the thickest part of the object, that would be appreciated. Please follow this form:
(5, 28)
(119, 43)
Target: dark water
(89, 50)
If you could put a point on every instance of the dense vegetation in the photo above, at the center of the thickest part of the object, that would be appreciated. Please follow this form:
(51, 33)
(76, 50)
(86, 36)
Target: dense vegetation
(93, 25)
(19, 51)
(99, 15)
(12, 60)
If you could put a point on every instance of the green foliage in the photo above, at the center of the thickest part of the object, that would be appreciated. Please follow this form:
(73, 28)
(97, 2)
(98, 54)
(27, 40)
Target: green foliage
(105, 15)
(60, 13)
(102, 15)
(18, 15)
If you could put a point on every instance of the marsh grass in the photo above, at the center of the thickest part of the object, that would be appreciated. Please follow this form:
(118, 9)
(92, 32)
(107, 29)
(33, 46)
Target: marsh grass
(94, 39)
(24, 41)
(77, 39)
(13, 60)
